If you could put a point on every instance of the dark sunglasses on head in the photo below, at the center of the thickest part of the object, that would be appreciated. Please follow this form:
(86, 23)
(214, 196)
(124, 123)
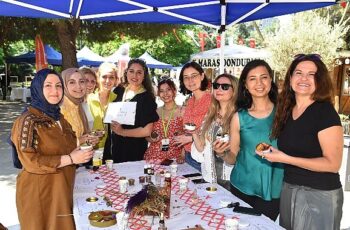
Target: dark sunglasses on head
(223, 86)
(311, 56)
(164, 79)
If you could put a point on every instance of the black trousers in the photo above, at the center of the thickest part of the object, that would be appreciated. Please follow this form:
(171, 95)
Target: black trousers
(270, 209)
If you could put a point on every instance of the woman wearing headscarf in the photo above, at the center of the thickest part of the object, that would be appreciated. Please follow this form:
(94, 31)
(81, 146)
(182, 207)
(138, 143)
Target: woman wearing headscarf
(72, 109)
(46, 146)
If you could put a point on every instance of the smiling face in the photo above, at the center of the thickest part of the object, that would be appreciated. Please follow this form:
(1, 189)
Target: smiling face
(223, 95)
(76, 85)
(135, 75)
(192, 79)
(53, 89)
(108, 79)
(90, 83)
(258, 82)
(303, 78)
(166, 93)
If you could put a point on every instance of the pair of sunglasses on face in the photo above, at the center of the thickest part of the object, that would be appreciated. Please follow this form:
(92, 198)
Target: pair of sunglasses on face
(223, 86)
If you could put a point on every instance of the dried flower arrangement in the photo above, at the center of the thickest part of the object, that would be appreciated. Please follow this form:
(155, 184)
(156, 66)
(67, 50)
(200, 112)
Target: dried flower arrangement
(148, 201)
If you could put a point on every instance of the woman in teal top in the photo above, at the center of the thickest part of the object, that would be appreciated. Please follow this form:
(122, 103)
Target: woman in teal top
(253, 179)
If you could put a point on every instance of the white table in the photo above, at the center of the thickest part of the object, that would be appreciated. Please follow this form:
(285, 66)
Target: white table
(184, 212)
(20, 94)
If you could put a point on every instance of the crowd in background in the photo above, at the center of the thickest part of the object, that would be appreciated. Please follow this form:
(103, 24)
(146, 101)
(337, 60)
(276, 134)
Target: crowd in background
(216, 131)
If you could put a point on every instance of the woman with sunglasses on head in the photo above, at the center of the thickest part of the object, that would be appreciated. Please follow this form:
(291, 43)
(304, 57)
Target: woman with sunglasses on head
(72, 108)
(193, 82)
(162, 144)
(98, 101)
(47, 149)
(128, 142)
(216, 125)
(254, 179)
(310, 144)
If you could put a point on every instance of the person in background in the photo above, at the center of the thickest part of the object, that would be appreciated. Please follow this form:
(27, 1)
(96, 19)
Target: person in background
(254, 180)
(310, 144)
(91, 86)
(194, 82)
(71, 107)
(128, 142)
(216, 125)
(169, 125)
(98, 101)
(47, 148)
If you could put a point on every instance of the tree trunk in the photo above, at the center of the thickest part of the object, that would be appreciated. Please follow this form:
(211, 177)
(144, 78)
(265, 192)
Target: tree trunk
(67, 31)
(258, 31)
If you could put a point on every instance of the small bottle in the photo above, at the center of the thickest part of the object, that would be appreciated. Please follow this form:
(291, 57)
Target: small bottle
(161, 222)
(96, 163)
(152, 169)
(145, 169)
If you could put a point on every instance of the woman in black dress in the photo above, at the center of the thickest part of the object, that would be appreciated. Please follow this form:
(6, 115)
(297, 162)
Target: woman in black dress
(127, 142)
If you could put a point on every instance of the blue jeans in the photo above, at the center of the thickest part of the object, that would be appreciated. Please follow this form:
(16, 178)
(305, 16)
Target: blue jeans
(189, 160)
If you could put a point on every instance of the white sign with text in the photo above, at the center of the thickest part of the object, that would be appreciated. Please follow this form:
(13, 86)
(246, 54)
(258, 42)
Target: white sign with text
(121, 112)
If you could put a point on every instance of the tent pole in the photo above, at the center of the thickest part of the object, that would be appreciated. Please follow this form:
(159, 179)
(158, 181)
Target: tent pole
(222, 48)
(6, 87)
(222, 31)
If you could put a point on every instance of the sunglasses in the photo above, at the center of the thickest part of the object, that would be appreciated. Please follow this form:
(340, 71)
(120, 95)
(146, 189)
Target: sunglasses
(164, 79)
(311, 56)
(223, 86)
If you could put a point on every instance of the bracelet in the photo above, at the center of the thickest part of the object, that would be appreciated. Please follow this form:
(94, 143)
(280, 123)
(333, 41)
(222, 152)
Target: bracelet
(71, 159)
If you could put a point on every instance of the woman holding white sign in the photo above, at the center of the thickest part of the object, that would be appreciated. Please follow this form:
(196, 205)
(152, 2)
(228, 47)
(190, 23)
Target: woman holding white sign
(127, 142)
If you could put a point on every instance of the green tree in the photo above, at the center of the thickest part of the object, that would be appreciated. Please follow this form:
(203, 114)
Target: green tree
(173, 47)
(317, 37)
(64, 33)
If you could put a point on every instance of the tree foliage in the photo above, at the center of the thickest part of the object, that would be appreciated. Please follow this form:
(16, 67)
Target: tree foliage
(306, 33)
(62, 34)
(173, 47)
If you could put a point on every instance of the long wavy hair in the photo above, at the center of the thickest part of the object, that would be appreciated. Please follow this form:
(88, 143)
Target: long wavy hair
(147, 83)
(214, 108)
(196, 66)
(286, 102)
(244, 98)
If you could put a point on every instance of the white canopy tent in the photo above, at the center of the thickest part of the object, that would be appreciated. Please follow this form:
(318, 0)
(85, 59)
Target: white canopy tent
(153, 63)
(121, 54)
(234, 56)
(86, 56)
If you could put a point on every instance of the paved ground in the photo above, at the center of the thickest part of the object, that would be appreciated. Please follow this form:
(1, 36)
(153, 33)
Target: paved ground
(8, 213)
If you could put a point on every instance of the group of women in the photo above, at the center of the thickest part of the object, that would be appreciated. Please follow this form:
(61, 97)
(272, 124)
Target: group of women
(297, 178)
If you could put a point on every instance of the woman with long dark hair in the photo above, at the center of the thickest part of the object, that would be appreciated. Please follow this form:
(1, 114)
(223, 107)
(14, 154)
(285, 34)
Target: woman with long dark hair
(128, 142)
(253, 179)
(310, 144)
